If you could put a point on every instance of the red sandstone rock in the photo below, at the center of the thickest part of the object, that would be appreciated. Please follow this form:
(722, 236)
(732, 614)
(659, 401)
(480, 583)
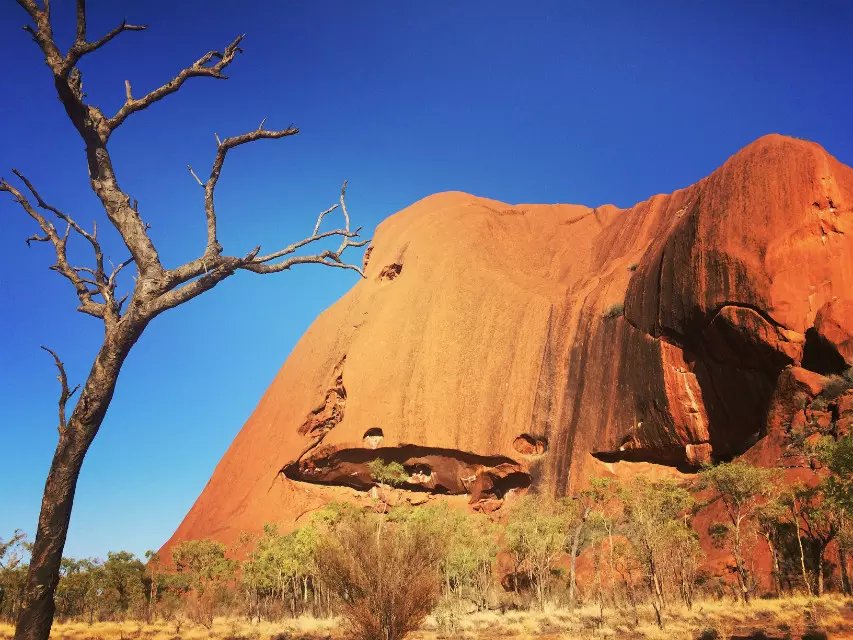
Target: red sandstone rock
(673, 332)
(834, 323)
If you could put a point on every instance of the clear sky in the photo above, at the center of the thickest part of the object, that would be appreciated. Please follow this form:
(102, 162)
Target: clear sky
(585, 102)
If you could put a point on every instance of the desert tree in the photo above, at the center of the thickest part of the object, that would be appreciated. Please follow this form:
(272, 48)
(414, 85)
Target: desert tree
(578, 511)
(655, 516)
(769, 518)
(12, 572)
(741, 488)
(837, 490)
(207, 572)
(280, 568)
(386, 475)
(156, 287)
(818, 522)
(604, 520)
(537, 532)
(153, 579)
(470, 549)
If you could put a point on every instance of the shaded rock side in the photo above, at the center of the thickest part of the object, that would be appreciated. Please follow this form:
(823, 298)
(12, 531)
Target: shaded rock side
(492, 347)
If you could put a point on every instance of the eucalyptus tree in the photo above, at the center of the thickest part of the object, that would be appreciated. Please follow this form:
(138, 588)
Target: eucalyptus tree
(655, 522)
(742, 488)
(537, 533)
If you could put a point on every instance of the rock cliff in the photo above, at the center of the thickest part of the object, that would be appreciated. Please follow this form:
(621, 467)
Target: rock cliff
(492, 347)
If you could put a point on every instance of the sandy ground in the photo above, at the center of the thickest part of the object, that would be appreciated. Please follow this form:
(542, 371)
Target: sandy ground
(787, 618)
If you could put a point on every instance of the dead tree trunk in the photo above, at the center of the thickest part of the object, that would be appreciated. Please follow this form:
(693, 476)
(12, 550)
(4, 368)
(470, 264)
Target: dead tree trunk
(75, 436)
(156, 288)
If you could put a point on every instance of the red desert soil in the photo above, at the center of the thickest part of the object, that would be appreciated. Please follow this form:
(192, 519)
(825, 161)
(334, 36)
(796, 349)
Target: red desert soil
(492, 346)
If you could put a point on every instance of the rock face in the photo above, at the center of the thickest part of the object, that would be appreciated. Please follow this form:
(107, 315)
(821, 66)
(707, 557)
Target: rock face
(492, 347)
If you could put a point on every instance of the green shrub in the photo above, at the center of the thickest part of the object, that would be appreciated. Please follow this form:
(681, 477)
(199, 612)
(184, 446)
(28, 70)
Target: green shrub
(390, 473)
(614, 310)
(837, 385)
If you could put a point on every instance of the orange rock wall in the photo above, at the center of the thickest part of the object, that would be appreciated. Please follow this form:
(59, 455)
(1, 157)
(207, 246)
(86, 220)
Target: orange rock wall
(487, 348)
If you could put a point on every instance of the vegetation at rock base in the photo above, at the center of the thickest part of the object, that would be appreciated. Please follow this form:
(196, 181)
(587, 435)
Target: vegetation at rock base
(384, 586)
(622, 550)
(741, 488)
(614, 311)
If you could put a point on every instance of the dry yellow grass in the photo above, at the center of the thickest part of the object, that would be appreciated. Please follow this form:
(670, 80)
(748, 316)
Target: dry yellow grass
(777, 618)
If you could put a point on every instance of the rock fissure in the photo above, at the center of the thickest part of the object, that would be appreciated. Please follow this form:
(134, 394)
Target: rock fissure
(430, 469)
(327, 415)
(391, 271)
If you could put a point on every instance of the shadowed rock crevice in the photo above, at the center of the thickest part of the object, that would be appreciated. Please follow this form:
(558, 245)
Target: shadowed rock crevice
(327, 415)
(717, 381)
(373, 437)
(391, 271)
(430, 469)
(366, 260)
(678, 457)
(529, 445)
(821, 356)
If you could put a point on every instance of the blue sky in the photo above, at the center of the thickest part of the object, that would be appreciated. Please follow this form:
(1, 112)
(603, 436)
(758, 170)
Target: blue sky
(584, 102)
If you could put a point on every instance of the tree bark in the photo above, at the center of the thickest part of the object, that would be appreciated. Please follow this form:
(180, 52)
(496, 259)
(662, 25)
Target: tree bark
(37, 609)
(573, 563)
(777, 572)
(806, 581)
(820, 565)
(742, 576)
(842, 567)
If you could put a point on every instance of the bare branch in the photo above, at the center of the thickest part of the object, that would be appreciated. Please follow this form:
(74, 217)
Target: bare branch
(31, 7)
(112, 277)
(195, 175)
(292, 248)
(59, 214)
(42, 34)
(344, 203)
(81, 21)
(201, 67)
(328, 258)
(36, 238)
(261, 264)
(103, 285)
(222, 149)
(64, 393)
(81, 48)
(322, 215)
(206, 272)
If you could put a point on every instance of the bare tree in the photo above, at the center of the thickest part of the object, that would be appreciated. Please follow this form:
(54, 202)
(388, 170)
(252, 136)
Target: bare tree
(155, 289)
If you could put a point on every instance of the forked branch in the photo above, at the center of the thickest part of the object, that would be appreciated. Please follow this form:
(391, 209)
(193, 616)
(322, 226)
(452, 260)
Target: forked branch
(65, 393)
(43, 35)
(223, 147)
(203, 273)
(203, 67)
(87, 281)
(267, 263)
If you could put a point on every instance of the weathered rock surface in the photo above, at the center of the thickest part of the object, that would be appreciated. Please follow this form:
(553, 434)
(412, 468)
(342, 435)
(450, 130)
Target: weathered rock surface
(495, 346)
